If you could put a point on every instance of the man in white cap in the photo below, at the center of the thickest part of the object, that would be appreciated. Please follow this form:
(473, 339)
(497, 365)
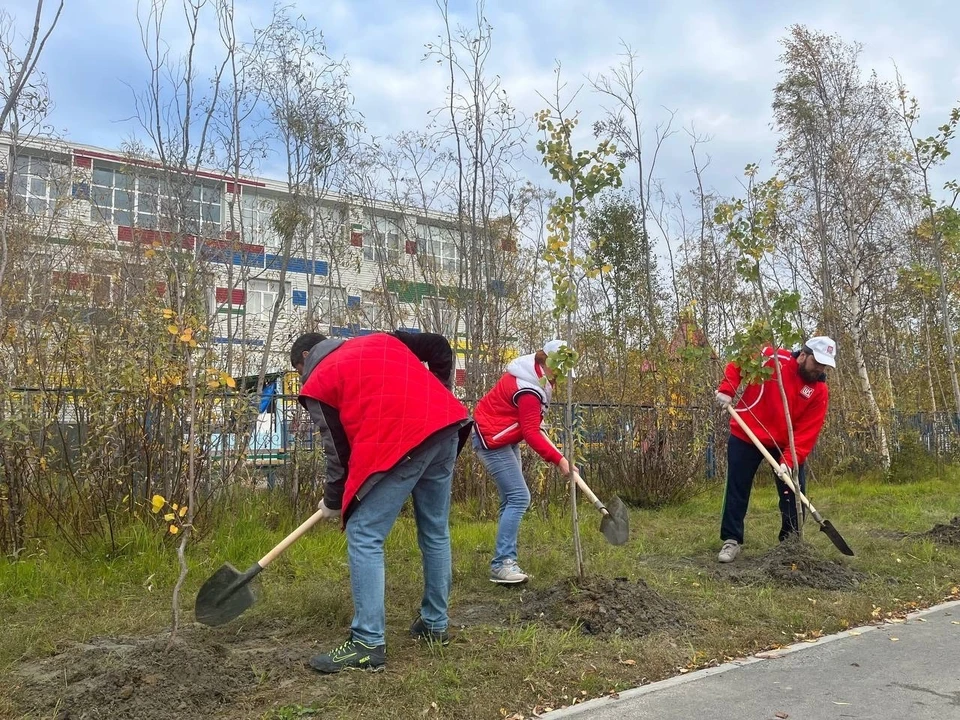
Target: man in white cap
(761, 407)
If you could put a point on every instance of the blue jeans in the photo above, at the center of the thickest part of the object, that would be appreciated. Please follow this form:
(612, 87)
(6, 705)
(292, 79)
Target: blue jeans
(428, 476)
(743, 460)
(504, 465)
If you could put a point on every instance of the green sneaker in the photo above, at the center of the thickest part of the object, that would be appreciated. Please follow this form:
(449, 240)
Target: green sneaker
(352, 655)
(420, 631)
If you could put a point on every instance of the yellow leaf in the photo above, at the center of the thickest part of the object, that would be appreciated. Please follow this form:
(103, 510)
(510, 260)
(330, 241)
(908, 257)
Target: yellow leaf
(174, 529)
(157, 502)
(173, 329)
(183, 511)
(175, 506)
(168, 313)
(213, 384)
(230, 382)
(169, 516)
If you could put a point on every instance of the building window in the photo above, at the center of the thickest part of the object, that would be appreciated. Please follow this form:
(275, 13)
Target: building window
(439, 248)
(256, 213)
(439, 316)
(328, 303)
(261, 297)
(382, 241)
(128, 199)
(375, 307)
(193, 208)
(123, 199)
(40, 183)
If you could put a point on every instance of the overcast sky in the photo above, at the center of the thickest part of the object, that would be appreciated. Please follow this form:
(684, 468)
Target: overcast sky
(714, 63)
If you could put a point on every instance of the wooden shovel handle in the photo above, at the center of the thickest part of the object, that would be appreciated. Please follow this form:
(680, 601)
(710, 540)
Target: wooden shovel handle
(589, 493)
(786, 477)
(290, 539)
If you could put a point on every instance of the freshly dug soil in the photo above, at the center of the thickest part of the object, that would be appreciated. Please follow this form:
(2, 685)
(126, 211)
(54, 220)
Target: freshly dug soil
(945, 534)
(791, 563)
(127, 677)
(603, 606)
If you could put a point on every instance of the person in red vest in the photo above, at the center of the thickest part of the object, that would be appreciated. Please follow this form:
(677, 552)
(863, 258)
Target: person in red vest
(391, 428)
(510, 412)
(761, 407)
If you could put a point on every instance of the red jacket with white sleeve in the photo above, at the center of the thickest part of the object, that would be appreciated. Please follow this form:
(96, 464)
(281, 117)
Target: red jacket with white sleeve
(762, 408)
(513, 410)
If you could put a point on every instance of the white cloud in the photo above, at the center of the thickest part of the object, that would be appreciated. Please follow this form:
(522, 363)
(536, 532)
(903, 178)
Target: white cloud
(714, 62)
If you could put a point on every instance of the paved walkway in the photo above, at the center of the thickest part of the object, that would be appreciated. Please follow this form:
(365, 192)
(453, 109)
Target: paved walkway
(895, 671)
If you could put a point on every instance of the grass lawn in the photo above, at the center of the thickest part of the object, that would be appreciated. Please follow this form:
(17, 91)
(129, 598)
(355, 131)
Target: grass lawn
(87, 638)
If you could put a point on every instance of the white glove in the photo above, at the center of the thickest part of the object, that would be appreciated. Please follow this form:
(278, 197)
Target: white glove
(327, 513)
(723, 399)
(785, 470)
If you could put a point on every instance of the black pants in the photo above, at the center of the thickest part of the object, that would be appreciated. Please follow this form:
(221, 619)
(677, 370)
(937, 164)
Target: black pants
(743, 459)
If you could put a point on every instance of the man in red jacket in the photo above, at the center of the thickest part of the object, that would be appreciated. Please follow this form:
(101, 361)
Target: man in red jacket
(761, 406)
(391, 428)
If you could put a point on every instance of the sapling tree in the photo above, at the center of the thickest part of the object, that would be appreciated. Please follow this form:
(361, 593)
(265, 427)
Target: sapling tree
(750, 225)
(584, 175)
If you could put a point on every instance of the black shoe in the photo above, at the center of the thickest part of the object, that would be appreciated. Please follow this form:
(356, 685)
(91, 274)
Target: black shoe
(420, 631)
(352, 655)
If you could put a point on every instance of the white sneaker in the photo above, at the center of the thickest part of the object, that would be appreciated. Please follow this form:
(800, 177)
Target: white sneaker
(508, 574)
(729, 551)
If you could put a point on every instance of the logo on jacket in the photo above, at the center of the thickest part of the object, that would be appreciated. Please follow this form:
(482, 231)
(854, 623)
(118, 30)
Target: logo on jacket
(806, 391)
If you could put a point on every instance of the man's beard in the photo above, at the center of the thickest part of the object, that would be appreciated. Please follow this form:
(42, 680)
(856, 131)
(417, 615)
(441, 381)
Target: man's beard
(809, 375)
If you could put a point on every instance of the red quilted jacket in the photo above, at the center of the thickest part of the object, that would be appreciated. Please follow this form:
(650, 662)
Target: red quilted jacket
(389, 403)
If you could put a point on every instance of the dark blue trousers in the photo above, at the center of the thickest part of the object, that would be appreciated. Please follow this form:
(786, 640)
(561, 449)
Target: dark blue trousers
(743, 459)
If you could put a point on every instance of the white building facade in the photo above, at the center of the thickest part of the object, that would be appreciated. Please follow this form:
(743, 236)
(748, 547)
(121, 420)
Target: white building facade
(352, 267)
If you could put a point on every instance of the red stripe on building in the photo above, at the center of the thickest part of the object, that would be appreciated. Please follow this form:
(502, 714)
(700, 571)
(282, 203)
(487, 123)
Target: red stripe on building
(237, 296)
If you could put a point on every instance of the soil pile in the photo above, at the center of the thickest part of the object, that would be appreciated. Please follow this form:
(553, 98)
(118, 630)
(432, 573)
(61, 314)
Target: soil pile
(792, 563)
(124, 677)
(603, 606)
(945, 534)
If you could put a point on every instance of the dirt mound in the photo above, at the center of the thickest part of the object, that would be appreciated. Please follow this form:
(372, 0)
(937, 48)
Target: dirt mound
(791, 563)
(946, 534)
(124, 677)
(603, 606)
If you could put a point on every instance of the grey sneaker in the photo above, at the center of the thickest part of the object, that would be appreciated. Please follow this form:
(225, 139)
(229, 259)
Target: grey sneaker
(729, 551)
(508, 574)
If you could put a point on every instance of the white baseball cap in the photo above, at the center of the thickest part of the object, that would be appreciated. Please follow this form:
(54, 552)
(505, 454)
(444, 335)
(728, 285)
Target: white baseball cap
(551, 346)
(824, 350)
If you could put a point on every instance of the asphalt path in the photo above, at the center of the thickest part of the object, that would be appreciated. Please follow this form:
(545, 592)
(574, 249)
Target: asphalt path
(908, 670)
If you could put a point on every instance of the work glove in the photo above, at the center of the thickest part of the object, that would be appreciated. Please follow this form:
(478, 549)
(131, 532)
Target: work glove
(723, 399)
(785, 470)
(327, 513)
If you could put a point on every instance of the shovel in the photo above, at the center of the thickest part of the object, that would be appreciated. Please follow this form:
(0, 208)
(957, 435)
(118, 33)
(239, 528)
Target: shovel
(227, 593)
(615, 524)
(825, 525)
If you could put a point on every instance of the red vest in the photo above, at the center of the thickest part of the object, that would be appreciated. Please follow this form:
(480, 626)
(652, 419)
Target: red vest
(496, 417)
(389, 403)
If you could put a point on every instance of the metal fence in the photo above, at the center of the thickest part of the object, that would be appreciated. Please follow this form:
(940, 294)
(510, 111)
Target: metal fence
(652, 438)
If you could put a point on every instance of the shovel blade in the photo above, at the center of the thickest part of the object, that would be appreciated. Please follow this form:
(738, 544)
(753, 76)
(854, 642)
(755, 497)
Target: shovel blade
(616, 526)
(827, 527)
(223, 597)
